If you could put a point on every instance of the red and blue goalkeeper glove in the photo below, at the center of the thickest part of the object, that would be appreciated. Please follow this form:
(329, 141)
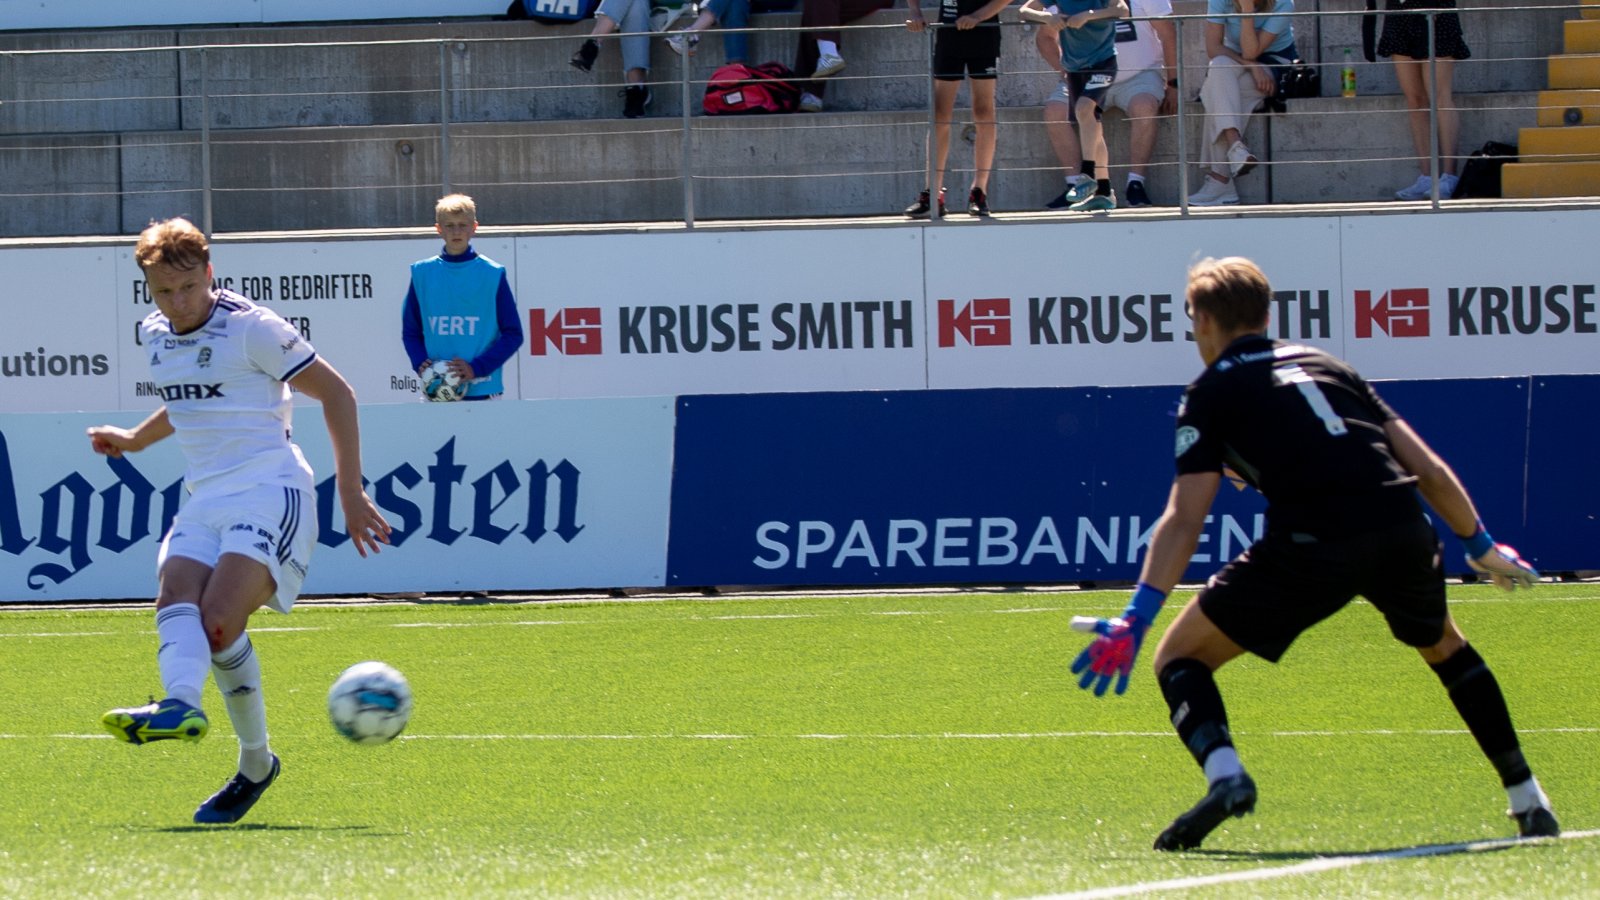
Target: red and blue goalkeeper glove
(1112, 653)
(1500, 562)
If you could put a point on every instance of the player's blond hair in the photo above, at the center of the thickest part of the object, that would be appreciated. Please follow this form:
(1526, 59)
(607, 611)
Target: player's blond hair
(455, 205)
(1233, 291)
(175, 242)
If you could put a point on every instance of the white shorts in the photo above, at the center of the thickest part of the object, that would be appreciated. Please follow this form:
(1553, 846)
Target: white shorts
(1122, 91)
(274, 524)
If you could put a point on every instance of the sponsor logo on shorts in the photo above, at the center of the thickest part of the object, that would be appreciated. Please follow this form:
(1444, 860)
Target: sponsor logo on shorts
(1187, 436)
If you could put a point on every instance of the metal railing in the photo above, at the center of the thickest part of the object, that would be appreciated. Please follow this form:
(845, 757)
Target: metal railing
(358, 134)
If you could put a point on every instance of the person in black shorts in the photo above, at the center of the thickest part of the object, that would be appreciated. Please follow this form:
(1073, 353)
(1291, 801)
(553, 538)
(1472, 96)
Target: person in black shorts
(1405, 40)
(967, 45)
(1341, 474)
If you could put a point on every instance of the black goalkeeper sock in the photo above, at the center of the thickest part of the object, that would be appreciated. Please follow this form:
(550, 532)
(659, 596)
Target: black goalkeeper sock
(1476, 695)
(1196, 706)
(1087, 168)
(1102, 187)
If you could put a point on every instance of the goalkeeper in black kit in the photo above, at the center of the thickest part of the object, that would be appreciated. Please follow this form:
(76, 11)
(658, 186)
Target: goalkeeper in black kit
(1342, 475)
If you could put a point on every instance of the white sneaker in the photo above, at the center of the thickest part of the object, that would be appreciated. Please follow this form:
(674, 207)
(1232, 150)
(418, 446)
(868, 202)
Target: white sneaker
(1214, 193)
(684, 43)
(810, 102)
(1421, 189)
(1240, 159)
(1447, 186)
(828, 64)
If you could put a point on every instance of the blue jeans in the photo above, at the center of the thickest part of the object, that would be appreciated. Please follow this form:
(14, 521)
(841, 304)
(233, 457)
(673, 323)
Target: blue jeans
(732, 14)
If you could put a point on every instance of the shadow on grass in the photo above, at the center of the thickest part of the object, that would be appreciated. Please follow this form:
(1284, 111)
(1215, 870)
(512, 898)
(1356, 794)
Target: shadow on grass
(263, 826)
(1416, 850)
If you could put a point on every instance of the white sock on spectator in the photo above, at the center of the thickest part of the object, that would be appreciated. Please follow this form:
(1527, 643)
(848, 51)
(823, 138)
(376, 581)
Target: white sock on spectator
(827, 48)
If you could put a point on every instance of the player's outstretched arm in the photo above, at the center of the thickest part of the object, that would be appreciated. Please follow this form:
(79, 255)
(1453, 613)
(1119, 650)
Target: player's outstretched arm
(1112, 653)
(323, 383)
(1449, 498)
(113, 441)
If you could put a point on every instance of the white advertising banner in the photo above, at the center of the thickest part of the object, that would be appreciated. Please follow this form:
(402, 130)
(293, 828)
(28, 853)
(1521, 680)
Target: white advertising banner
(60, 344)
(1102, 303)
(498, 495)
(1472, 295)
(722, 312)
(64, 14)
(344, 297)
(1045, 304)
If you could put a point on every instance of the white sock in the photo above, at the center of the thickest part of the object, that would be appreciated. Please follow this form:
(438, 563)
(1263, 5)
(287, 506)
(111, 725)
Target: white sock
(238, 673)
(184, 654)
(1222, 763)
(1526, 796)
(827, 48)
(1132, 178)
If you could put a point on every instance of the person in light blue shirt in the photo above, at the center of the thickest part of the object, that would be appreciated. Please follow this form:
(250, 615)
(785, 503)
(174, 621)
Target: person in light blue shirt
(1086, 30)
(1245, 40)
(459, 307)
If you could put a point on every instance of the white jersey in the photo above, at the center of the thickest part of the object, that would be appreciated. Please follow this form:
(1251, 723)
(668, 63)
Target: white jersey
(226, 396)
(1138, 47)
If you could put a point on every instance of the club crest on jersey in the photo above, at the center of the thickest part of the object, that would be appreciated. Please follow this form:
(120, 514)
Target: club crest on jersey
(205, 357)
(1187, 436)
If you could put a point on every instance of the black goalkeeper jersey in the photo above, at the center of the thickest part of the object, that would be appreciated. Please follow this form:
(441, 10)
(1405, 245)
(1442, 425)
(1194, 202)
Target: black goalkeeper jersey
(1306, 430)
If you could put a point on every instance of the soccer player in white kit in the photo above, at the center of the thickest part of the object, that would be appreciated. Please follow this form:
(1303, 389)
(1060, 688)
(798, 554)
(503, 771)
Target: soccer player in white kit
(244, 537)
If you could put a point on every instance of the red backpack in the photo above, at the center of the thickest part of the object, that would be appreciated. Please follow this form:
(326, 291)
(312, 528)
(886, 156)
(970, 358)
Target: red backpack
(738, 89)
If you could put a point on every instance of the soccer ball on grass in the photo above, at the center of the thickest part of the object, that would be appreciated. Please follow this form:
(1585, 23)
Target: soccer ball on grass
(440, 384)
(369, 703)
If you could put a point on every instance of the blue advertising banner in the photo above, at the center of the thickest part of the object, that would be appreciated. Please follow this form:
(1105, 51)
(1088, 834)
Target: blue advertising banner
(1046, 485)
(1563, 495)
(977, 487)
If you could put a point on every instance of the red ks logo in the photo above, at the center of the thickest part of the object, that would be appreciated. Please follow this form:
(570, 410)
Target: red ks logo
(981, 323)
(573, 332)
(1398, 313)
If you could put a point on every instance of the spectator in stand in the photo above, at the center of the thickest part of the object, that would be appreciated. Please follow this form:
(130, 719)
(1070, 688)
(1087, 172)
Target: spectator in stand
(1405, 40)
(632, 17)
(726, 13)
(1245, 39)
(1146, 86)
(817, 56)
(1087, 36)
(966, 46)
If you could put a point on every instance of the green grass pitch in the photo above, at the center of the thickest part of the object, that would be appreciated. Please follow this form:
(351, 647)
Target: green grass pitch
(926, 745)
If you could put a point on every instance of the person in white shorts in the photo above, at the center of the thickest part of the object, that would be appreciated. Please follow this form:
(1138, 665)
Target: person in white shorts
(243, 540)
(1146, 86)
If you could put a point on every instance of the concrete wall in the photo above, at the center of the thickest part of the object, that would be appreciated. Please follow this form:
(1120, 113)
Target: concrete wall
(309, 137)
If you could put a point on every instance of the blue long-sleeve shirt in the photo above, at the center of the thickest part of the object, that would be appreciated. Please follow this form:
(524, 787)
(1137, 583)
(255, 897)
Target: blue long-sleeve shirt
(508, 325)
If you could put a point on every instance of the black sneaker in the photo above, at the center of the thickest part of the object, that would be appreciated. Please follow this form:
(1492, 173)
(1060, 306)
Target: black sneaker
(924, 206)
(235, 799)
(635, 97)
(977, 203)
(1536, 822)
(585, 56)
(1233, 796)
(1135, 195)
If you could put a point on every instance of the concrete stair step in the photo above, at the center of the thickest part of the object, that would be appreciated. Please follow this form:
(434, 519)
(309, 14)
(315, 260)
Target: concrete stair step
(1580, 144)
(1527, 181)
(1572, 71)
(1581, 35)
(1568, 107)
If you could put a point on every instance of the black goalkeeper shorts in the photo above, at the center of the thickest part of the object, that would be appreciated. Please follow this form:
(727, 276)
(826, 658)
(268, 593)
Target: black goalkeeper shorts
(1282, 586)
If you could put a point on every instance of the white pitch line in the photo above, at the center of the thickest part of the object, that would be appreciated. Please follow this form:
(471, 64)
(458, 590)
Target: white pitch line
(904, 736)
(1309, 867)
